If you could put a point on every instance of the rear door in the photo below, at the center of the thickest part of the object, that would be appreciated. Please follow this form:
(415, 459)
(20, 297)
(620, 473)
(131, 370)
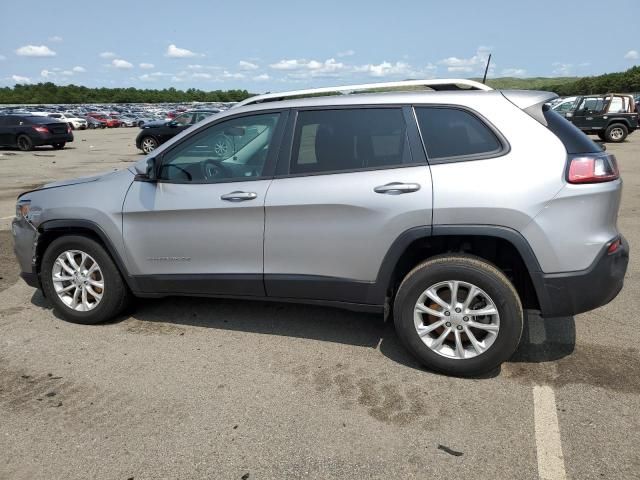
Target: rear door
(350, 181)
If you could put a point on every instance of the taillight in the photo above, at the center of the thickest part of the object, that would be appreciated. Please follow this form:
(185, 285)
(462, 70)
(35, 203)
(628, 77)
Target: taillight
(592, 168)
(41, 129)
(614, 246)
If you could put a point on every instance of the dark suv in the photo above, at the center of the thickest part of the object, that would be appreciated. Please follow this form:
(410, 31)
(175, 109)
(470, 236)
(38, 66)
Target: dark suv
(153, 134)
(612, 117)
(26, 132)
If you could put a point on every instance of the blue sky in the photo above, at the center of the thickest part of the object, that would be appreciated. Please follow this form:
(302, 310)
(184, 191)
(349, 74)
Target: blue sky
(280, 45)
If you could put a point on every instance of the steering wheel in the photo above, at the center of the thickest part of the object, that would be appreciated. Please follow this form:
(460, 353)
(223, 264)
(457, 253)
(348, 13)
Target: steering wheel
(215, 169)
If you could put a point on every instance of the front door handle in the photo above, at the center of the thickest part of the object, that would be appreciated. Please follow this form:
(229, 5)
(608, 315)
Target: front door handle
(239, 196)
(397, 188)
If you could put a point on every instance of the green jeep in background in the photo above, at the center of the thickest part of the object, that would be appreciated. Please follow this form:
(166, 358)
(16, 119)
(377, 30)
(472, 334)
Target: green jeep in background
(612, 116)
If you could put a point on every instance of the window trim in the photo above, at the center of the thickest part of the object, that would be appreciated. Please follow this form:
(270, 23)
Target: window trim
(285, 158)
(505, 147)
(269, 164)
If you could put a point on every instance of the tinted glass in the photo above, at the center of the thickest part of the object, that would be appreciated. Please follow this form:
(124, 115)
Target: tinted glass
(573, 139)
(349, 139)
(450, 132)
(229, 150)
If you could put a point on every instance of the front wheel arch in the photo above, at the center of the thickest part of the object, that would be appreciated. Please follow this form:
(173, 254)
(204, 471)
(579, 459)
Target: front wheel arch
(53, 229)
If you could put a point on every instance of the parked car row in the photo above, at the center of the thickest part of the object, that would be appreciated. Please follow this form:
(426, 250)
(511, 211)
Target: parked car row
(612, 117)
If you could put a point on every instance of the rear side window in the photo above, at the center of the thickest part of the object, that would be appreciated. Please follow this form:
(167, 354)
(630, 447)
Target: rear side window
(571, 136)
(450, 133)
(349, 139)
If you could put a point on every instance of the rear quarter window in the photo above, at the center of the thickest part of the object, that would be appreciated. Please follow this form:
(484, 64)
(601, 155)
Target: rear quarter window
(571, 136)
(452, 134)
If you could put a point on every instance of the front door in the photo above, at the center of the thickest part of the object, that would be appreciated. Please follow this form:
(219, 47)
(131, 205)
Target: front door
(588, 115)
(199, 229)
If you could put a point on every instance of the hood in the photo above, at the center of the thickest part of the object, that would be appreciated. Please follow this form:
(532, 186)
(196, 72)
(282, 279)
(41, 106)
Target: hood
(76, 181)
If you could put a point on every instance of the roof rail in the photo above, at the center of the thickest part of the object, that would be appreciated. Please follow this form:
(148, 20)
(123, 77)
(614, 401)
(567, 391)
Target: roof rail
(434, 84)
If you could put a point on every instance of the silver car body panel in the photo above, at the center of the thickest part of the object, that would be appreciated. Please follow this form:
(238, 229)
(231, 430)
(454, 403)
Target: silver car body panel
(336, 225)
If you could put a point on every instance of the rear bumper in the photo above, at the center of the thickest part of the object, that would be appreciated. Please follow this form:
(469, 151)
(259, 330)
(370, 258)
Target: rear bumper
(577, 292)
(50, 139)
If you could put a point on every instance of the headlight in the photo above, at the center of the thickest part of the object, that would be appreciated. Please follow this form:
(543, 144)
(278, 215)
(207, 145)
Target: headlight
(23, 207)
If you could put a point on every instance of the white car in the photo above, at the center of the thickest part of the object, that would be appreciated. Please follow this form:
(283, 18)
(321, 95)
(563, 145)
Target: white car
(74, 122)
(565, 106)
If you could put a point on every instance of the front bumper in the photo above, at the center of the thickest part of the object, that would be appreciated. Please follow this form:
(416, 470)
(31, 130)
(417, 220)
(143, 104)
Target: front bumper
(577, 292)
(25, 240)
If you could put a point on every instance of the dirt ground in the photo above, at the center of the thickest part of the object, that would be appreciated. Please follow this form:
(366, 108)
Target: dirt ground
(228, 389)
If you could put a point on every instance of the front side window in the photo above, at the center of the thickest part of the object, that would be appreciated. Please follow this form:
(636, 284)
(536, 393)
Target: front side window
(349, 139)
(230, 150)
(452, 132)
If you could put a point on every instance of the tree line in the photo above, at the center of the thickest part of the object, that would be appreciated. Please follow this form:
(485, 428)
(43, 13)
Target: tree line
(51, 93)
(48, 92)
(620, 82)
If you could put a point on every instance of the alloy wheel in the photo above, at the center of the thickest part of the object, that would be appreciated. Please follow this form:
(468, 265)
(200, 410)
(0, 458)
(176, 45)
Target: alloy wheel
(78, 280)
(456, 319)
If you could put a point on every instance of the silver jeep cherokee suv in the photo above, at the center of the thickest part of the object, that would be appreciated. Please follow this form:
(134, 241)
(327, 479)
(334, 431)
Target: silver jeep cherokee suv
(452, 209)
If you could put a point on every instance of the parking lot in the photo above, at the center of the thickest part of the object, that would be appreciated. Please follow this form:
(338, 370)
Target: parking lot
(228, 389)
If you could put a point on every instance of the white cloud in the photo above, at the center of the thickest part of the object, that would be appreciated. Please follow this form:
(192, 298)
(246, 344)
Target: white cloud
(108, 55)
(47, 73)
(55, 38)
(66, 73)
(513, 72)
(563, 69)
(302, 68)
(20, 79)
(35, 51)
(632, 55)
(152, 77)
(202, 76)
(175, 52)
(234, 76)
(79, 69)
(195, 67)
(475, 63)
(385, 69)
(263, 77)
(146, 66)
(121, 64)
(246, 66)
(346, 53)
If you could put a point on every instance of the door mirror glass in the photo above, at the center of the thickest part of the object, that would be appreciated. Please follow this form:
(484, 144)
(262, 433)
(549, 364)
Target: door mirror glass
(149, 174)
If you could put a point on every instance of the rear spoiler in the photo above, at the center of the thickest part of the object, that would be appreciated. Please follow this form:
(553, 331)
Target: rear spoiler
(531, 101)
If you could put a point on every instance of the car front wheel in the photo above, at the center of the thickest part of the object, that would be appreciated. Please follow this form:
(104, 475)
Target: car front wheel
(81, 280)
(458, 315)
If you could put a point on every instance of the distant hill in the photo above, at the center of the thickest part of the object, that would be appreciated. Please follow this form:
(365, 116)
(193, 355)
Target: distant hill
(533, 83)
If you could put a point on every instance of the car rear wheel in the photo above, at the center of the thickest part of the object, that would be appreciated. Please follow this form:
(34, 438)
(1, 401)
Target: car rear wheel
(81, 280)
(24, 143)
(148, 144)
(59, 146)
(458, 315)
(616, 133)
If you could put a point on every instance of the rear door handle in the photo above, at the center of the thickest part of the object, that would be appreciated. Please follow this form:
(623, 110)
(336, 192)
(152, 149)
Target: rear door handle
(397, 188)
(239, 196)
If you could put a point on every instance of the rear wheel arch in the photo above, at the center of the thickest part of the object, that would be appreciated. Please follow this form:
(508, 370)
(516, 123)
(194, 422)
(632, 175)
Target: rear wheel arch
(505, 248)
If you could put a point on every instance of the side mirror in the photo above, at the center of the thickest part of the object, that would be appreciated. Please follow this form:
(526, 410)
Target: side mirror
(150, 173)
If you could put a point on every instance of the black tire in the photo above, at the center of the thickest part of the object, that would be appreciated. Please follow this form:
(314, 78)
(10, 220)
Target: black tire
(116, 294)
(480, 273)
(58, 146)
(148, 144)
(24, 143)
(616, 133)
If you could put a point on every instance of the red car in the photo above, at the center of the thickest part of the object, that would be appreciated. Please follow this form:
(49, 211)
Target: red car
(107, 121)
